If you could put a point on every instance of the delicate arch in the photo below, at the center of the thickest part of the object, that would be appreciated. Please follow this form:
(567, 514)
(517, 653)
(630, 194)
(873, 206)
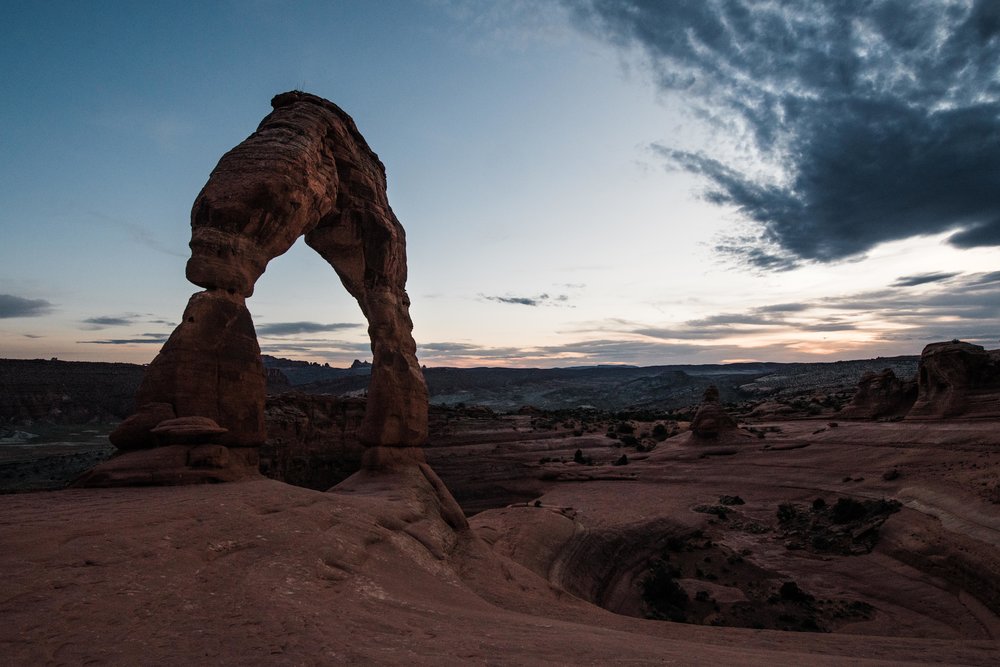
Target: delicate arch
(306, 171)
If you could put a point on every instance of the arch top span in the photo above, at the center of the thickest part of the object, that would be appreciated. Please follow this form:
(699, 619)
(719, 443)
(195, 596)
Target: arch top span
(305, 172)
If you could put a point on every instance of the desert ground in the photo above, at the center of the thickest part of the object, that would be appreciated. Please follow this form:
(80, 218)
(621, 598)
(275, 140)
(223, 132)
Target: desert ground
(568, 558)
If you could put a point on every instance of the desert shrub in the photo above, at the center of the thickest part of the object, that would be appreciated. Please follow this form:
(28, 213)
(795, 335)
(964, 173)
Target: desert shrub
(787, 512)
(625, 427)
(660, 432)
(630, 440)
(846, 510)
(622, 461)
(676, 544)
(662, 594)
(714, 510)
(791, 591)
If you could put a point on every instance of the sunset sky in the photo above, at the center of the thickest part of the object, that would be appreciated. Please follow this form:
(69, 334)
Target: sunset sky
(589, 182)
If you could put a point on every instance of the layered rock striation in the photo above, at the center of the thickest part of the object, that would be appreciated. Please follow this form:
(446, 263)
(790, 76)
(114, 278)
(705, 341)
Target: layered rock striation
(881, 395)
(306, 172)
(957, 379)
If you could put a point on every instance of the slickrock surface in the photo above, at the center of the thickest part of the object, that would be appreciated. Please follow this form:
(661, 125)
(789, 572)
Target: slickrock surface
(381, 570)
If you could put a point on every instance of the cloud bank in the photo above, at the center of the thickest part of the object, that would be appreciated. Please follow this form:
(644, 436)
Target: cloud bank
(14, 306)
(847, 124)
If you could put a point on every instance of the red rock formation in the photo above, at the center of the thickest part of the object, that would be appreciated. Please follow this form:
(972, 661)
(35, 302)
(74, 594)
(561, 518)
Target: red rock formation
(306, 171)
(881, 395)
(957, 379)
(711, 420)
(312, 440)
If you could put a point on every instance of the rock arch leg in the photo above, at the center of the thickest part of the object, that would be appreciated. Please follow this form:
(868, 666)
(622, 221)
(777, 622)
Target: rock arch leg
(306, 171)
(395, 423)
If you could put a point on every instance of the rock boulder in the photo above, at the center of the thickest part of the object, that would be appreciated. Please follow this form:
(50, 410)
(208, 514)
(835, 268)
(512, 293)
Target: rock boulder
(711, 420)
(957, 379)
(881, 395)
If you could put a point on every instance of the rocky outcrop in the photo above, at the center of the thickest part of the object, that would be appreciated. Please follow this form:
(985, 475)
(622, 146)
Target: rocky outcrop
(312, 440)
(306, 172)
(276, 381)
(881, 395)
(711, 421)
(957, 379)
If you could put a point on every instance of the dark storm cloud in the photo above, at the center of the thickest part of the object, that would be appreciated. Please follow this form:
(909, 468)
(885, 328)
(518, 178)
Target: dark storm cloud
(986, 233)
(294, 328)
(15, 306)
(922, 279)
(540, 300)
(882, 118)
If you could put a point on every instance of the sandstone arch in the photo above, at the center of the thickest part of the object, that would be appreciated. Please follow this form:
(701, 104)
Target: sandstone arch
(306, 171)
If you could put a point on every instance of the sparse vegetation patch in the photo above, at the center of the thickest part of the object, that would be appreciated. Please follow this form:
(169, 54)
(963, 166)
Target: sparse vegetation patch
(848, 527)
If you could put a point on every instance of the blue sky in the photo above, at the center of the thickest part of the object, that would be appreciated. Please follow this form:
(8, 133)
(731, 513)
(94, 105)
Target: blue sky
(582, 182)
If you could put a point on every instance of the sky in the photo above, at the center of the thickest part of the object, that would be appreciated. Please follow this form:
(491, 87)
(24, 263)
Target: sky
(581, 182)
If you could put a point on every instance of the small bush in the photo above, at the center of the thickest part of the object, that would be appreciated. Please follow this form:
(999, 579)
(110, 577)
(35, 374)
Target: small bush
(846, 510)
(662, 593)
(787, 512)
(676, 544)
(791, 591)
